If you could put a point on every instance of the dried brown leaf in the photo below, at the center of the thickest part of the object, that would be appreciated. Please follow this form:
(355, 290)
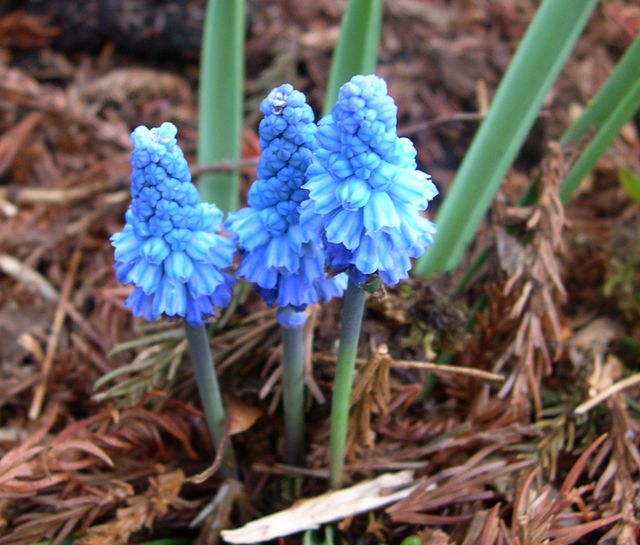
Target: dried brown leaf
(371, 395)
(141, 511)
(243, 415)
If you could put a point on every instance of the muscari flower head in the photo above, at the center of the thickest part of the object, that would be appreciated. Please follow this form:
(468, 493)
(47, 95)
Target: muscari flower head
(169, 249)
(285, 261)
(365, 193)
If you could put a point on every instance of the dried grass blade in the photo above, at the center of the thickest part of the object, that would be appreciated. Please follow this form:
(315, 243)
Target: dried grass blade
(52, 343)
(28, 276)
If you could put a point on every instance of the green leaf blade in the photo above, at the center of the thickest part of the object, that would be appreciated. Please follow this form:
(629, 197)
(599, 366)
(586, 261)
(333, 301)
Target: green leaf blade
(357, 49)
(220, 99)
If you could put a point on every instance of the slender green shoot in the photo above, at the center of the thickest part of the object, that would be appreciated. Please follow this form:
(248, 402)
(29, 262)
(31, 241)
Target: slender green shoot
(616, 101)
(535, 66)
(598, 113)
(293, 392)
(210, 393)
(624, 77)
(357, 49)
(605, 135)
(354, 300)
(220, 99)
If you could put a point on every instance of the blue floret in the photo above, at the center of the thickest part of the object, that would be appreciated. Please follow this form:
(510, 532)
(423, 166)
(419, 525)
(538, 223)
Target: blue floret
(365, 194)
(169, 249)
(284, 260)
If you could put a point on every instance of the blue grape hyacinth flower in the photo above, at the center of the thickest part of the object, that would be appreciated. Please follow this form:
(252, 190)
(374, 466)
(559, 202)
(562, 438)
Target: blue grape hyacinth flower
(365, 193)
(169, 249)
(284, 260)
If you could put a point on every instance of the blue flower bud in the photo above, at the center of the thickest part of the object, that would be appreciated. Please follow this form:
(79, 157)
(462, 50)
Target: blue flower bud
(285, 261)
(154, 249)
(169, 249)
(289, 317)
(353, 193)
(365, 193)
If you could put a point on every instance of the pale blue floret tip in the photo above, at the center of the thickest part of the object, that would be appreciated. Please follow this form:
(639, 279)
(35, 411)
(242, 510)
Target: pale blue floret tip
(365, 194)
(284, 260)
(169, 249)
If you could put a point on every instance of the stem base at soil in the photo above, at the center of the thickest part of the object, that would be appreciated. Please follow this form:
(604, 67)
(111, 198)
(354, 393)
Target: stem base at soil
(210, 395)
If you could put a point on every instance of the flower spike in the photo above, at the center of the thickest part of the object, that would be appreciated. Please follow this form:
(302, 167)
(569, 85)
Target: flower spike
(169, 249)
(365, 197)
(170, 252)
(364, 190)
(283, 259)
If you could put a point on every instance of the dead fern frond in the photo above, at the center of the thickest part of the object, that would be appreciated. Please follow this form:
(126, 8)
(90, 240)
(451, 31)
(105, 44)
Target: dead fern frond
(540, 516)
(158, 366)
(618, 482)
(470, 483)
(534, 272)
(85, 471)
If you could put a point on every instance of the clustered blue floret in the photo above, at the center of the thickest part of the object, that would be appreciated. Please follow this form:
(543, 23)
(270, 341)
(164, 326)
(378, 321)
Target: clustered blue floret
(283, 259)
(169, 249)
(365, 193)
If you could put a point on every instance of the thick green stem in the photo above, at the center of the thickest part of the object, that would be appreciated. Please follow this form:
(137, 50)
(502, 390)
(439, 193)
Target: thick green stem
(351, 322)
(293, 392)
(210, 393)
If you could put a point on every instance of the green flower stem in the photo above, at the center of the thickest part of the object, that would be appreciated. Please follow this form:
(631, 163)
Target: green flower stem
(210, 393)
(349, 333)
(293, 392)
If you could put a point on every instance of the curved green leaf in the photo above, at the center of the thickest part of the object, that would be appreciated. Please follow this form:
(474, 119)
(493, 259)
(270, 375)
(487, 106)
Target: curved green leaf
(613, 106)
(617, 86)
(535, 66)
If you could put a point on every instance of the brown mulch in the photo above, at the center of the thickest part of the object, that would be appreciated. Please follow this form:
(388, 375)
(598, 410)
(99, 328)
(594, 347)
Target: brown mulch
(99, 429)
